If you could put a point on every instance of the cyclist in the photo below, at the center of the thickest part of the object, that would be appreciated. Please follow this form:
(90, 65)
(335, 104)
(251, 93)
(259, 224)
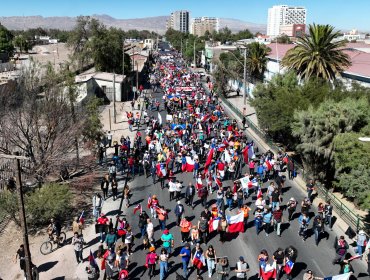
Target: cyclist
(54, 230)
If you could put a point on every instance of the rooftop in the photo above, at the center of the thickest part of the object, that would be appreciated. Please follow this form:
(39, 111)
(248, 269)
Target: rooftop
(359, 54)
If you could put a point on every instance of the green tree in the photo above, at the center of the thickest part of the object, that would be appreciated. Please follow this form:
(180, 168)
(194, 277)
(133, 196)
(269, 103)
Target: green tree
(50, 201)
(283, 39)
(243, 34)
(275, 103)
(316, 129)
(92, 127)
(257, 61)
(6, 38)
(352, 166)
(317, 54)
(21, 43)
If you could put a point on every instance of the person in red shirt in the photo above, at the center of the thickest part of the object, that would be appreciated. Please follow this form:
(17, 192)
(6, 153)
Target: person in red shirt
(131, 164)
(101, 225)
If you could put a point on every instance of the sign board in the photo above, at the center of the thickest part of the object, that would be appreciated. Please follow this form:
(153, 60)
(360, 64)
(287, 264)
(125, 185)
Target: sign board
(169, 118)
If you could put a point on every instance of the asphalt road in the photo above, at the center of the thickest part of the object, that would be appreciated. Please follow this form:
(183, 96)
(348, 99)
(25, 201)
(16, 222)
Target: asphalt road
(248, 244)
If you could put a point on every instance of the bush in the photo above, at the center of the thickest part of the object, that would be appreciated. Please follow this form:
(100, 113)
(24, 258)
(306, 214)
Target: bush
(50, 201)
(9, 206)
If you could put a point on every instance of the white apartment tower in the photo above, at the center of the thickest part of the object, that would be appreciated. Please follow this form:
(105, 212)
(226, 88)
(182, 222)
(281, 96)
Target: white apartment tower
(179, 20)
(282, 16)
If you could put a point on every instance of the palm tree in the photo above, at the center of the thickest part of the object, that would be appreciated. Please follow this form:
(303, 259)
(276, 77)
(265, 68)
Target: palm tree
(317, 54)
(257, 60)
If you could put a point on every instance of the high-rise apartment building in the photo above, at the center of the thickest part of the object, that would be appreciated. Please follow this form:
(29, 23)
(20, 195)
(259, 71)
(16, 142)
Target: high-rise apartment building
(179, 20)
(199, 26)
(281, 18)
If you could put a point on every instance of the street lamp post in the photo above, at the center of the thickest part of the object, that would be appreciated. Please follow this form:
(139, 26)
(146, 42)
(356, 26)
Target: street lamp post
(194, 53)
(245, 76)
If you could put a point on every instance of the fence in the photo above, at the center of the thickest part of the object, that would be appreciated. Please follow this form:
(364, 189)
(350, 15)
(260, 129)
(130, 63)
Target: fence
(351, 218)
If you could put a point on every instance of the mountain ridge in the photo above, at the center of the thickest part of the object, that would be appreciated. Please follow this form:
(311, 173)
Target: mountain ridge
(156, 24)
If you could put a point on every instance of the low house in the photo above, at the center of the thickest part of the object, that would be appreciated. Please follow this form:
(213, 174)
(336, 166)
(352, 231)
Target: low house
(103, 85)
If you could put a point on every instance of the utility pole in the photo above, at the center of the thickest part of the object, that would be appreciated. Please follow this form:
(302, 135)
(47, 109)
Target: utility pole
(181, 46)
(194, 53)
(123, 58)
(157, 44)
(114, 98)
(245, 75)
(22, 214)
(137, 76)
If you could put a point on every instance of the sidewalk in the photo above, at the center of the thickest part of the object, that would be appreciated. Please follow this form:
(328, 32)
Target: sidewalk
(249, 111)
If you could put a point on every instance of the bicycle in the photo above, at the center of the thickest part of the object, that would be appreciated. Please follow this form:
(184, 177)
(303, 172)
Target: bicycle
(47, 246)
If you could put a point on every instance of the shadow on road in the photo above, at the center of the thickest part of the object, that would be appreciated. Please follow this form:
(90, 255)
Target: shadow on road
(46, 266)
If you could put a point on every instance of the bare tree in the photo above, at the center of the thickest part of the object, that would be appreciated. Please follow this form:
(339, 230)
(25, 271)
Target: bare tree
(38, 121)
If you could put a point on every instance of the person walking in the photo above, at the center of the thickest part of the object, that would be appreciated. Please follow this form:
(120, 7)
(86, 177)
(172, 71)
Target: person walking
(197, 252)
(241, 268)
(150, 231)
(150, 261)
(222, 229)
(111, 239)
(185, 254)
(211, 258)
(277, 220)
(308, 275)
(162, 217)
(223, 269)
(318, 228)
(168, 242)
(104, 186)
(77, 242)
(179, 211)
(21, 255)
(291, 206)
(189, 195)
(77, 226)
(361, 241)
(163, 264)
(203, 228)
(267, 220)
(310, 188)
(185, 226)
(328, 214)
(303, 221)
(114, 189)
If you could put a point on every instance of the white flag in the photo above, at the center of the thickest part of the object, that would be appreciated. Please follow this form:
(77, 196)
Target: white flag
(159, 118)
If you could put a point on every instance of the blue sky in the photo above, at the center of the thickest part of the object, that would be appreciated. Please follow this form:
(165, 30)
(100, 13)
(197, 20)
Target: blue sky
(340, 13)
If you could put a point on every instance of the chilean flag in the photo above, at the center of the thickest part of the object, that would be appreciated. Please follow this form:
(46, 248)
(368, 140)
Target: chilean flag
(199, 183)
(149, 201)
(199, 260)
(213, 224)
(267, 271)
(92, 260)
(344, 276)
(259, 193)
(138, 207)
(253, 183)
(236, 222)
(268, 165)
(288, 267)
(189, 164)
(218, 182)
(209, 159)
(82, 219)
(245, 154)
(161, 170)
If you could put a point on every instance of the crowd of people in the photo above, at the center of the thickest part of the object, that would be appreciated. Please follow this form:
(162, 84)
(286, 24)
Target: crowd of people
(196, 136)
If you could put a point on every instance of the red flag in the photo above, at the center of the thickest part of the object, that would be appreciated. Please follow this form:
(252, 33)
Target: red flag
(138, 207)
(149, 201)
(259, 193)
(209, 159)
(245, 154)
(82, 219)
(236, 222)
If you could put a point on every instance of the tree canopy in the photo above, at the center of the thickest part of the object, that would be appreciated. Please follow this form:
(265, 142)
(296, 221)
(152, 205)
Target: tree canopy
(6, 38)
(317, 54)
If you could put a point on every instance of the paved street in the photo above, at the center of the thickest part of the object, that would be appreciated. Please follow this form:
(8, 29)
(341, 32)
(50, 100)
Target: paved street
(247, 244)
